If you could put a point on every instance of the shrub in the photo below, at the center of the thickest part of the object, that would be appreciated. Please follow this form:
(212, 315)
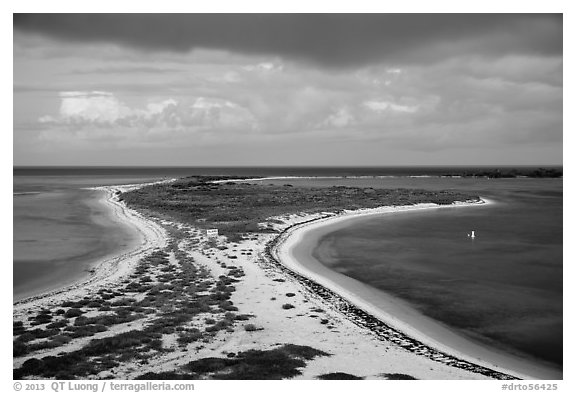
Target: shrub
(85, 331)
(338, 376)
(398, 376)
(41, 319)
(18, 328)
(189, 337)
(37, 333)
(122, 302)
(73, 312)
(287, 306)
(227, 306)
(290, 294)
(57, 324)
(282, 362)
(43, 345)
(251, 327)
(25, 337)
(170, 375)
(61, 339)
(32, 365)
(19, 348)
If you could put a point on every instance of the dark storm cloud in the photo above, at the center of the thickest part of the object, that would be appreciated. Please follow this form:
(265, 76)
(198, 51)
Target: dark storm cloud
(329, 39)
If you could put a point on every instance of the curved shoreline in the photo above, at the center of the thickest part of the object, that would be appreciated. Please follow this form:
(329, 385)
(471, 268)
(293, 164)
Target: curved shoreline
(383, 323)
(113, 267)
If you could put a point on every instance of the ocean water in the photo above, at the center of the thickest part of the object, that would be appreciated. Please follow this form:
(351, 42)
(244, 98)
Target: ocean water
(60, 229)
(503, 288)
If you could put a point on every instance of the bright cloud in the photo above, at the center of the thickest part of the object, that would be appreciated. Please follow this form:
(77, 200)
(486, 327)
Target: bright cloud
(95, 107)
(386, 106)
(341, 118)
(266, 67)
(99, 110)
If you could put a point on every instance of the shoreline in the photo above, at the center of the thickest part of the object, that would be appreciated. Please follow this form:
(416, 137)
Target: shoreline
(260, 179)
(398, 322)
(148, 236)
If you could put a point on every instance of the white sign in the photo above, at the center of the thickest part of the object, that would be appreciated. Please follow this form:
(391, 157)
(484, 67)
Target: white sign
(212, 232)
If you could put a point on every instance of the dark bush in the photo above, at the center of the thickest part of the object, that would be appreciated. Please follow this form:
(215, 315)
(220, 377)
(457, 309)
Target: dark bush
(338, 376)
(41, 319)
(278, 363)
(19, 348)
(58, 324)
(18, 328)
(73, 312)
(43, 345)
(170, 375)
(85, 331)
(189, 337)
(61, 339)
(398, 376)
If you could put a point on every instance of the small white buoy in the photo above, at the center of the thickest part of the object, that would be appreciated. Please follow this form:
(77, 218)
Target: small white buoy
(472, 235)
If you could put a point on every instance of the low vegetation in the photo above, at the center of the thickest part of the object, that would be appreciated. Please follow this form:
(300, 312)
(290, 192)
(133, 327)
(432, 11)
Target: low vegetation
(396, 376)
(237, 208)
(174, 298)
(338, 376)
(509, 173)
(279, 363)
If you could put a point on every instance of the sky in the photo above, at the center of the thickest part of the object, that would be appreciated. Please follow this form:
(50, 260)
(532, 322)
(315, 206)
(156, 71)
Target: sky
(287, 89)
